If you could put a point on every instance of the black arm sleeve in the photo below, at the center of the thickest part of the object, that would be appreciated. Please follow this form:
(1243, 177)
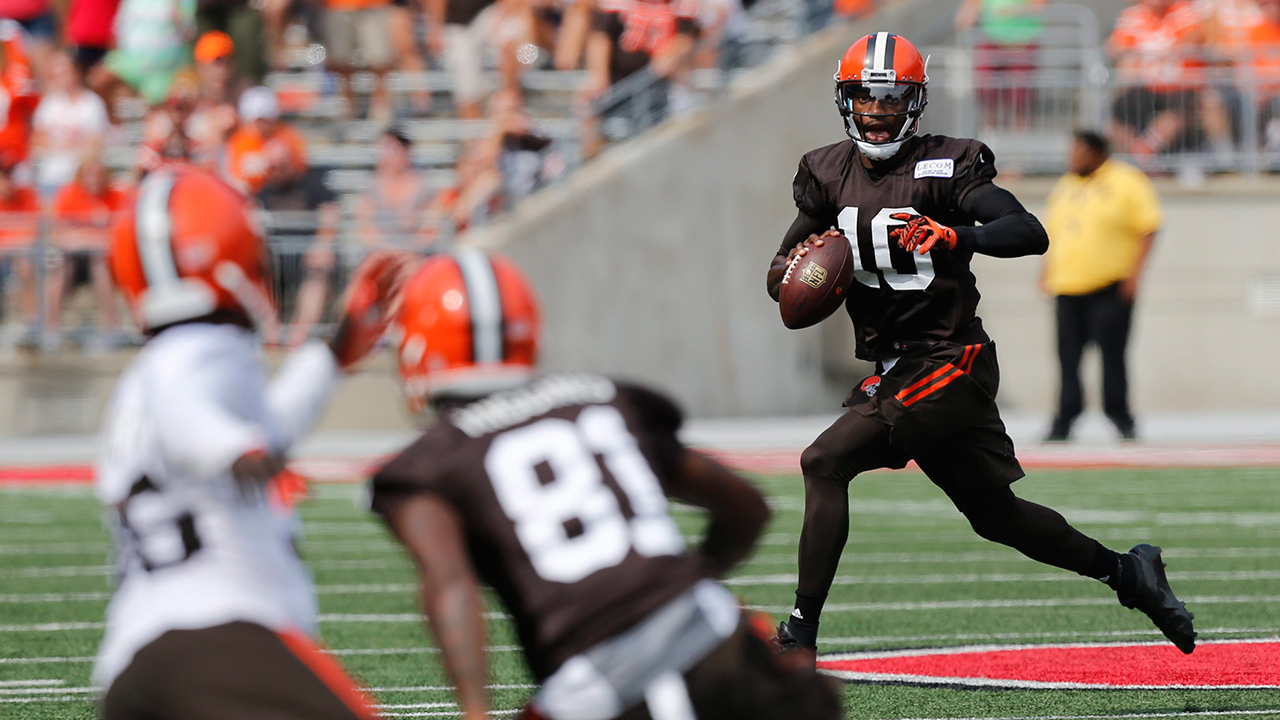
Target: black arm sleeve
(1007, 230)
(802, 227)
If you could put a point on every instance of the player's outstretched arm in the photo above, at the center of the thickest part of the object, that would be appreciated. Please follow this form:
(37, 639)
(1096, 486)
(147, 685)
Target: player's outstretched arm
(1007, 230)
(301, 389)
(804, 231)
(738, 511)
(432, 533)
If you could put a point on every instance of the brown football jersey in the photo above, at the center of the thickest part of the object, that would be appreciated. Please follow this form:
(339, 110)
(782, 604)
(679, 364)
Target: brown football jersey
(900, 298)
(561, 485)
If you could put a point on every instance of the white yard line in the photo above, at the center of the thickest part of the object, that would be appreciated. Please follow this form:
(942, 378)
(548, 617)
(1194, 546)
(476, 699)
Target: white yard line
(349, 652)
(389, 617)
(740, 581)
(32, 683)
(1020, 603)
(44, 660)
(1206, 634)
(55, 548)
(47, 698)
(450, 688)
(879, 639)
(992, 578)
(852, 556)
(6, 692)
(448, 714)
(63, 571)
(52, 627)
(340, 652)
(107, 570)
(1184, 713)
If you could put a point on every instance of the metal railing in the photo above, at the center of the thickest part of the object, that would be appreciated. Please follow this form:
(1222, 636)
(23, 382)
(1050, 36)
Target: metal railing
(1191, 113)
(41, 267)
(312, 264)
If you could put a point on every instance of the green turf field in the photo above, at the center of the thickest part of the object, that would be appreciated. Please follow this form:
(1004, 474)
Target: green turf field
(908, 552)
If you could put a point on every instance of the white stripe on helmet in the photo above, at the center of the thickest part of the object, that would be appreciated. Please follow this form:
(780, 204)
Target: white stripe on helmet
(882, 47)
(485, 302)
(154, 230)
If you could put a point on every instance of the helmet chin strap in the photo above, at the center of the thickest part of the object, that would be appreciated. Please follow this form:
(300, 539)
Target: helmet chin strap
(880, 151)
(884, 150)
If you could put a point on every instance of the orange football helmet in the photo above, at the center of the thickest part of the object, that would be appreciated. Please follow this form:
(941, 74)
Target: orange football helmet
(190, 247)
(886, 69)
(467, 326)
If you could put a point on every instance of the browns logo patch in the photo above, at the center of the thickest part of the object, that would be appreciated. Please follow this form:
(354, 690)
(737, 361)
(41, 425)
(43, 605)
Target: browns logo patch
(871, 385)
(813, 275)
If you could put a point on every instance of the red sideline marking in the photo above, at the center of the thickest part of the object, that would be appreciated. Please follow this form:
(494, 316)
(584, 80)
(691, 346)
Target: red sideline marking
(779, 462)
(46, 474)
(1226, 664)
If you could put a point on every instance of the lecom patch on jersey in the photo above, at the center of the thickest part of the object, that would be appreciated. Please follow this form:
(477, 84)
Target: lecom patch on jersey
(944, 168)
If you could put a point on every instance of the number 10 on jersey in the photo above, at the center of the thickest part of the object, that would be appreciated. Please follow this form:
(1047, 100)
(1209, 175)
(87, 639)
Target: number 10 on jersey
(870, 276)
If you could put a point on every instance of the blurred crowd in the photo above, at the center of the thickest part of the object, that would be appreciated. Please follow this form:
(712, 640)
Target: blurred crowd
(1187, 73)
(190, 81)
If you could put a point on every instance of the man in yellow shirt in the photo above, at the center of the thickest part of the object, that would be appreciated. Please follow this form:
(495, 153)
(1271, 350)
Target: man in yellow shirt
(1102, 218)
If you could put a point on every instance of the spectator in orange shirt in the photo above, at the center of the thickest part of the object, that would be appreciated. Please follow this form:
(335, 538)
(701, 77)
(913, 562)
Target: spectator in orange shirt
(1150, 42)
(360, 26)
(262, 135)
(82, 215)
(18, 94)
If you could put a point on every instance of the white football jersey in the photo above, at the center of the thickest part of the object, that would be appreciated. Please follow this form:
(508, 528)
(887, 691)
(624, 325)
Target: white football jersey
(192, 551)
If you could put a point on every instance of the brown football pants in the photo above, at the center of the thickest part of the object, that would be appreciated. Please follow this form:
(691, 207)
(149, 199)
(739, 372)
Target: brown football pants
(237, 671)
(743, 679)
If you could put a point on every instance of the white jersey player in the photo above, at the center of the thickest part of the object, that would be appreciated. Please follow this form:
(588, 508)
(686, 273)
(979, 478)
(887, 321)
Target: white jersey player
(214, 610)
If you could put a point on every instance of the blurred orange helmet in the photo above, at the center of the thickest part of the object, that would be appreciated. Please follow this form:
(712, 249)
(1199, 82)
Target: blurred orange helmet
(190, 247)
(885, 67)
(467, 326)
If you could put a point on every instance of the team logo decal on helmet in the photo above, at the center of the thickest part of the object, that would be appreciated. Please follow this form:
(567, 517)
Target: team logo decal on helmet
(882, 80)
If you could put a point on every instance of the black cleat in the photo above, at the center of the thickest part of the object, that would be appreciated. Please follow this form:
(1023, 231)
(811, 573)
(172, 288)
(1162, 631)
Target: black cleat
(1155, 598)
(785, 643)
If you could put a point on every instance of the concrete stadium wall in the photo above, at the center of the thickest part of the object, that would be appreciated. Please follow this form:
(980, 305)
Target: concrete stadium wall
(651, 260)
(1208, 318)
(651, 264)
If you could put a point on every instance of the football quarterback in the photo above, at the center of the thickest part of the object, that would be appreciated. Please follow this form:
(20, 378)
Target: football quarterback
(915, 209)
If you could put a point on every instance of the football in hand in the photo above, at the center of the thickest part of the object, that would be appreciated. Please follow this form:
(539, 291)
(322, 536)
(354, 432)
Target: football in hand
(817, 283)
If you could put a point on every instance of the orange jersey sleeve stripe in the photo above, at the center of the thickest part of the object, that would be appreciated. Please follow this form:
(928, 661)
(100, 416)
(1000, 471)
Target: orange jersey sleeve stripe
(329, 672)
